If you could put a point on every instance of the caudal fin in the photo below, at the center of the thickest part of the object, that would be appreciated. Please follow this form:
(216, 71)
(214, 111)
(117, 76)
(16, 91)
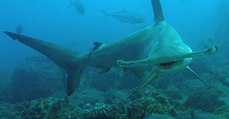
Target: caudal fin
(158, 13)
(64, 58)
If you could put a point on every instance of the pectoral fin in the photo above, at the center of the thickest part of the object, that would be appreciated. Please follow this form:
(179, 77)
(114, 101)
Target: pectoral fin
(96, 46)
(201, 79)
(149, 78)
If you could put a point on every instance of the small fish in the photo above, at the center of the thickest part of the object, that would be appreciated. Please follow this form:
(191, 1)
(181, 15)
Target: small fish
(126, 16)
(204, 43)
(78, 6)
(19, 29)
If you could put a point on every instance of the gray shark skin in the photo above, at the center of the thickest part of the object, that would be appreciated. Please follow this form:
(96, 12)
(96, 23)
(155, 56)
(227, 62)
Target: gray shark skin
(155, 49)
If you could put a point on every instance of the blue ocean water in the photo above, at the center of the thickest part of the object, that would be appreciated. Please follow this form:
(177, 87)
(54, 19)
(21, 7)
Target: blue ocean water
(200, 23)
(57, 22)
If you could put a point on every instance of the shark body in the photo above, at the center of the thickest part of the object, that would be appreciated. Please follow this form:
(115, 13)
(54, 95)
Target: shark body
(157, 45)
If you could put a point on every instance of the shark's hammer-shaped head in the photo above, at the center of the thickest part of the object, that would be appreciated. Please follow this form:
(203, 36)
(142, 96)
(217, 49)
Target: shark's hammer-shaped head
(164, 50)
(170, 60)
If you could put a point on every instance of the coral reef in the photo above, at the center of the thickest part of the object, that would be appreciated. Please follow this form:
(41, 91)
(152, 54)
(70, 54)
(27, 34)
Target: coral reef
(104, 111)
(59, 108)
(99, 97)
(154, 104)
(146, 104)
(49, 108)
(87, 96)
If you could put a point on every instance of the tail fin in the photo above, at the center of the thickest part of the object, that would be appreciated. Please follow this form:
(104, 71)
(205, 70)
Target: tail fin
(64, 58)
(158, 13)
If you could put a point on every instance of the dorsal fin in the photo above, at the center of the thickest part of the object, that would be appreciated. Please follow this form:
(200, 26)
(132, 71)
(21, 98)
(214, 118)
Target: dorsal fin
(96, 46)
(158, 13)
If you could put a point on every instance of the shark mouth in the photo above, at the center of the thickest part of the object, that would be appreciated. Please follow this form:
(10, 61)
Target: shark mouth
(169, 65)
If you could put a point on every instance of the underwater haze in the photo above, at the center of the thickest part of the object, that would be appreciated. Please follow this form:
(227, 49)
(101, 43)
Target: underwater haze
(58, 22)
(34, 87)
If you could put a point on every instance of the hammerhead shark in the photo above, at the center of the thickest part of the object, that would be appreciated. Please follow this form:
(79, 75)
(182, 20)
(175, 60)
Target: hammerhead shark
(148, 53)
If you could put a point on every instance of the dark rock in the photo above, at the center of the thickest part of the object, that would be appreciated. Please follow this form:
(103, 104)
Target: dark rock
(5, 87)
(105, 81)
(162, 82)
(7, 111)
(204, 100)
(154, 104)
(33, 80)
(174, 94)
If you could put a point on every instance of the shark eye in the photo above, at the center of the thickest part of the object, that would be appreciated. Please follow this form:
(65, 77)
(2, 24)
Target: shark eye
(168, 65)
